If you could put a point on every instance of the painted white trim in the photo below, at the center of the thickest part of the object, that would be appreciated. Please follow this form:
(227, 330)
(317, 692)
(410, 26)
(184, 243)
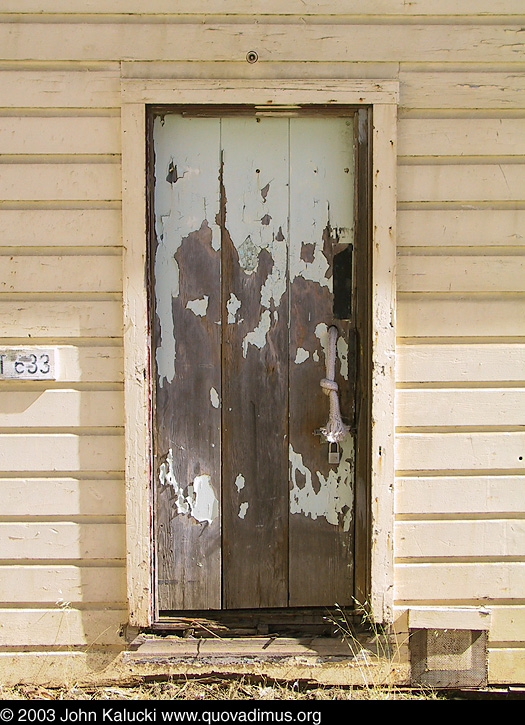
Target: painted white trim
(476, 618)
(384, 162)
(136, 94)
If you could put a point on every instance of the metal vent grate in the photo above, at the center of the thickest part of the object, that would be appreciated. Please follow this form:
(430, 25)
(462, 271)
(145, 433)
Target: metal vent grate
(448, 657)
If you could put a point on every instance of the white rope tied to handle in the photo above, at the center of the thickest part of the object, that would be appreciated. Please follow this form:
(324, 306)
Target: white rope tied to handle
(335, 430)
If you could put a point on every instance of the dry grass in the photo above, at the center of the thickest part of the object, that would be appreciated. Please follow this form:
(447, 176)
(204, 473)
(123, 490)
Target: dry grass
(214, 689)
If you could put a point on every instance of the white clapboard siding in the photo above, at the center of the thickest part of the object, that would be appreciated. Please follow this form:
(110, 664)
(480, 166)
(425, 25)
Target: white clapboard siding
(479, 539)
(460, 273)
(504, 664)
(461, 227)
(460, 451)
(61, 452)
(460, 407)
(44, 319)
(61, 497)
(507, 623)
(467, 182)
(462, 89)
(62, 540)
(460, 581)
(491, 494)
(461, 137)
(61, 408)
(274, 7)
(420, 315)
(86, 88)
(60, 227)
(228, 41)
(62, 584)
(60, 182)
(61, 626)
(461, 134)
(50, 273)
(86, 364)
(56, 135)
(90, 364)
(484, 362)
(42, 666)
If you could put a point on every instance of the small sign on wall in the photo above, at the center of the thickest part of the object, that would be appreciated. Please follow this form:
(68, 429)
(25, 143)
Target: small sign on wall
(27, 364)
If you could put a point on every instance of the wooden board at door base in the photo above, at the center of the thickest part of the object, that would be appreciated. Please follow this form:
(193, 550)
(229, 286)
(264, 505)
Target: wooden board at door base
(249, 214)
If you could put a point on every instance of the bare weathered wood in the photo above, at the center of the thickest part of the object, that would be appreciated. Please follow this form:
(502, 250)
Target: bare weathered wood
(255, 366)
(186, 288)
(321, 494)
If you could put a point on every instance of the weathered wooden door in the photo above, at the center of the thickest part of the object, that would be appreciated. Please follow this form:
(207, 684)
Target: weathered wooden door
(253, 220)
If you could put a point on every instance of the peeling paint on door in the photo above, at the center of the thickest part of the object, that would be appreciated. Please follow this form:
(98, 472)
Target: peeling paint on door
(196, 499)
(249, 213)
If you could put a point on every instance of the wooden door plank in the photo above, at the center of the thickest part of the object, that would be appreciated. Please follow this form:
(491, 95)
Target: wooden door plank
(255, 370)
(186, 271)
(321, 496)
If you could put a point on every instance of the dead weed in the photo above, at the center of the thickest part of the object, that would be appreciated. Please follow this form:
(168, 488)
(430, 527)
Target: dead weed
(213, 689)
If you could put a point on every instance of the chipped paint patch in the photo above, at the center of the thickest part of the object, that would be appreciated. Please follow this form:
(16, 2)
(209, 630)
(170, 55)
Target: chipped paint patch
(321, 332)
(301, 355)
(240, 482)
(243, 508)
(214, 398)
(185, 195)
(342, 354)
(257, 337)
(334, 498)
(205, 506)
(233, 306)
(248, 255)
(197, 500)
(198, 307)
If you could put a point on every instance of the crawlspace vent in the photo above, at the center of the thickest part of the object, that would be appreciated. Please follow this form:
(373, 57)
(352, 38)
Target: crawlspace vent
(448, 657)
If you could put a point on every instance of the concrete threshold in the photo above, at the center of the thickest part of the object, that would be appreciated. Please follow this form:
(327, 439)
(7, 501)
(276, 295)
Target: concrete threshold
(328, 661)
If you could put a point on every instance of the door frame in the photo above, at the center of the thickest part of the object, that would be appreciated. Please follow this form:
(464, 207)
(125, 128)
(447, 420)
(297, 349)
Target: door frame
(374, 577)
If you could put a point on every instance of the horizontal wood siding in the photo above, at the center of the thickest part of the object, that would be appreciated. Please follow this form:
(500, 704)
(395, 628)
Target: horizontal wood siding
(460, 274)
(460, 355)
(62, 525)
